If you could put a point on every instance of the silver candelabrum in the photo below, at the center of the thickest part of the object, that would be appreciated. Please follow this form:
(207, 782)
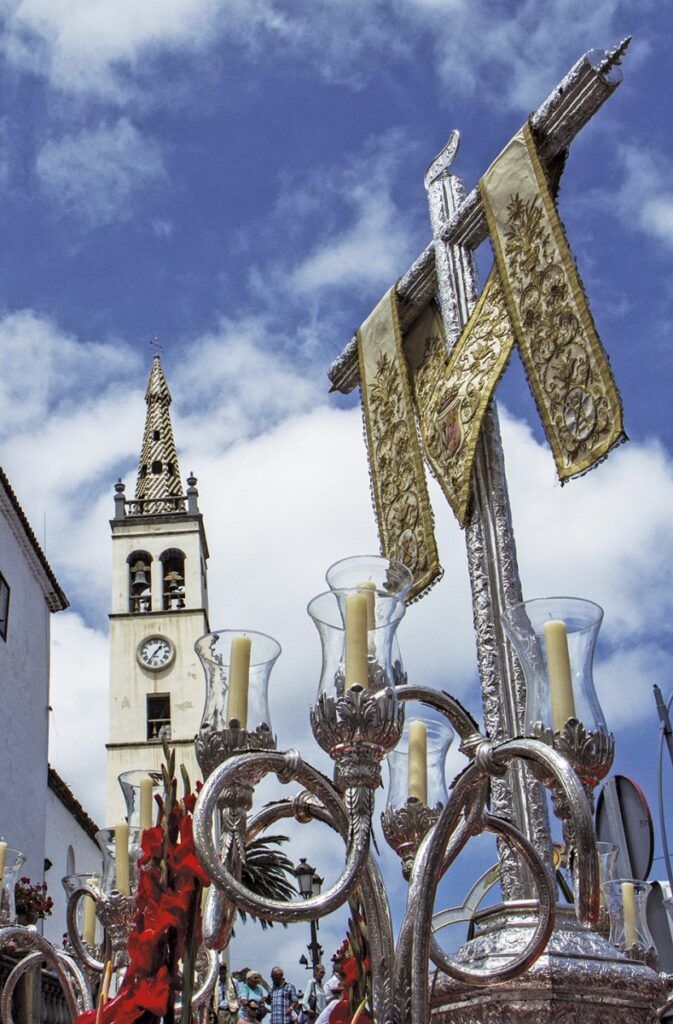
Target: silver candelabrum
(359, 722)
(358, 729)
(359, 725)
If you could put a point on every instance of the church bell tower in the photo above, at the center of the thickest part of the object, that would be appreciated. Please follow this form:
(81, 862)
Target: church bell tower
(159, 607)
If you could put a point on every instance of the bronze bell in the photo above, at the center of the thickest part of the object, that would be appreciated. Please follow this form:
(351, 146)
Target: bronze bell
(139, 579)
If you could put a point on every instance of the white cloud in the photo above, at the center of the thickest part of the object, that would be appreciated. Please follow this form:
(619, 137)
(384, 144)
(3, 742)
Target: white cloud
(367, 254)
(239, 380)
(96, 173)
(624, 682)
(78, 695)
(645, 197)
(29, 341)
(366, 236)
(523, 48)
(604, 536)
(90, 46)
(100, 46)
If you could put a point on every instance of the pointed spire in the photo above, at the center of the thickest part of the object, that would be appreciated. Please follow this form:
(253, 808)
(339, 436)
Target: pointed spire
(159, 472)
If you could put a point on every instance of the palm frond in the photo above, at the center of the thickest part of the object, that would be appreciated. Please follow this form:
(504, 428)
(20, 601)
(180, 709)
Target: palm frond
(268, 872)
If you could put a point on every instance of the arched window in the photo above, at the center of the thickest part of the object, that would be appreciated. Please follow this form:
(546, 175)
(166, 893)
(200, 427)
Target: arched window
(70, 861)
(173, 576)
(140, 582)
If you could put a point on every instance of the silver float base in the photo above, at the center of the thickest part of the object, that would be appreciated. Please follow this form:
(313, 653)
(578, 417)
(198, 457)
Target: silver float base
(579, 979)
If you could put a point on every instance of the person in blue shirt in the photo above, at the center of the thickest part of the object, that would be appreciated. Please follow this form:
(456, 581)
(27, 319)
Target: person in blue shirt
(253, 991)
(282, 998)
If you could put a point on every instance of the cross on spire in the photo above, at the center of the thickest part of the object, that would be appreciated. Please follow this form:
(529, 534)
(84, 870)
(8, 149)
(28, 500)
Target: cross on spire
(156, 346)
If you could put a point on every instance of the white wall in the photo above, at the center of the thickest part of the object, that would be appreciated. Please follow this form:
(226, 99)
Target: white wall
(63, 831)
(24, 699)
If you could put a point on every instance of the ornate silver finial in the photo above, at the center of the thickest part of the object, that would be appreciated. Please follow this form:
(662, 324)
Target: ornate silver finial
(443, 160)
(614, 57)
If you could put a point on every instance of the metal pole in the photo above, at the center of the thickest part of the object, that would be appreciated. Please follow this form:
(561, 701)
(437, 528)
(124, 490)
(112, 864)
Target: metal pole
(315, 949)
(662, 711)
(492, 560)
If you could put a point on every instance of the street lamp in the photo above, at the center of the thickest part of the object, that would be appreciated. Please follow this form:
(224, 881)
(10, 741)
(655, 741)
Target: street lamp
(310, 884)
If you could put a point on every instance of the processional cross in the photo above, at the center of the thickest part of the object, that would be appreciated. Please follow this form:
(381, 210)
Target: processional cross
(446, 270)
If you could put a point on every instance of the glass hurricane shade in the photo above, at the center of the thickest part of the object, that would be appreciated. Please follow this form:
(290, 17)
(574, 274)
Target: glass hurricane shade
(130, 785)
(389, 576)
(556, 691)
(105, 838)
(627, 905)
(215, 653)
(607, 866)
(439, 737)
(88, 925)
(328, 612)
(14, 861)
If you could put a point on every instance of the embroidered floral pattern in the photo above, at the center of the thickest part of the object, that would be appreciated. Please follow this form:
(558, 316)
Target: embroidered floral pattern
(401, 519)
(564, 363)
(399, 488)
(452, 393)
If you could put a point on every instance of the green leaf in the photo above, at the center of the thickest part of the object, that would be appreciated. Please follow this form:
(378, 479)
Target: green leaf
(185, 780)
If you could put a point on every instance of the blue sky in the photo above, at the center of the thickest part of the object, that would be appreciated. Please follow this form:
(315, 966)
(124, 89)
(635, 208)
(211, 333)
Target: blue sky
(245, 180)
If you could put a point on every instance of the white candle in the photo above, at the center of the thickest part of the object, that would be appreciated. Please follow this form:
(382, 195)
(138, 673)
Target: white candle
(357, 670)
(418, 761)
(368, 588)
(3, 858)
(558, 669)
(239, 680)
(89, 923)
(122, 866)
(630, 915)
(145, 815)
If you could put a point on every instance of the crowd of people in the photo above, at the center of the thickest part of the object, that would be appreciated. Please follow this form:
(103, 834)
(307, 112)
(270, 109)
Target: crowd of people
(246, 997)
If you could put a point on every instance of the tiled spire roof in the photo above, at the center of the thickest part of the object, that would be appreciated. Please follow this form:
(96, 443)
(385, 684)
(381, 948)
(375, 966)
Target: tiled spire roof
(159, 472)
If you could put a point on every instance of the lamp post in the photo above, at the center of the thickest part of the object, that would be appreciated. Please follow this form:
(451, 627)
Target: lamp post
(310, 884)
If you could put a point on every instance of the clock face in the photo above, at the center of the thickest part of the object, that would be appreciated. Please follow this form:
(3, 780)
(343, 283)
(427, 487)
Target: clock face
(155, 652)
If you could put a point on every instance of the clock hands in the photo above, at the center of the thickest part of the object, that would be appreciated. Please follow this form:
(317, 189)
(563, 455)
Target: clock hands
(156, 654)
(151, 654)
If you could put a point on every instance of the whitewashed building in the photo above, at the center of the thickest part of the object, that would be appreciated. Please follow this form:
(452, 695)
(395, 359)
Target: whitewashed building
(70, 848)
(29, 594)
(39, 815)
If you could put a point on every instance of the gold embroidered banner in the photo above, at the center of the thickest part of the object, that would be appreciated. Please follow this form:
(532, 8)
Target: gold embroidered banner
(533, 298)
(398, 480)
(566, 364)
(453, 392)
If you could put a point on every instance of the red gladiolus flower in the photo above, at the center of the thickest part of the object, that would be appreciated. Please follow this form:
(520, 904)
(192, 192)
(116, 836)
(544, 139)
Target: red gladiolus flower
(141, 946)
(351, 971)
(152, 993)
(152, 843)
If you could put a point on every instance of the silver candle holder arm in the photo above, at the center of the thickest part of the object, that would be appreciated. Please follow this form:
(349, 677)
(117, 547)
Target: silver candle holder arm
(288, 766)
(73, 981)
(358, 729)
